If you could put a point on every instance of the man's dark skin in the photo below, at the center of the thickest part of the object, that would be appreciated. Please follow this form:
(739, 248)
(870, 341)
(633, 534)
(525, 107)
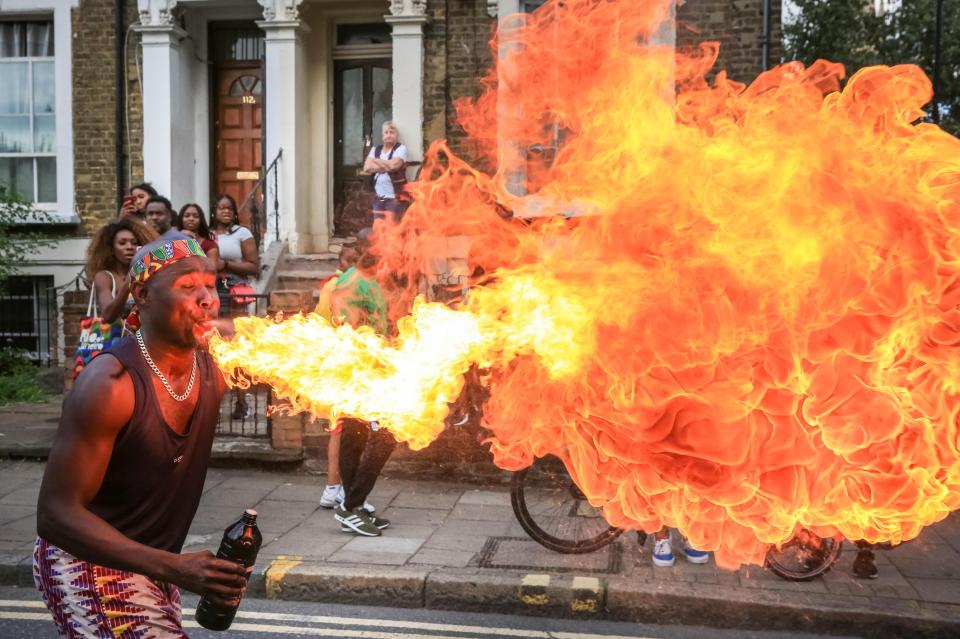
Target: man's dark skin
(177, 306)
(159, 217)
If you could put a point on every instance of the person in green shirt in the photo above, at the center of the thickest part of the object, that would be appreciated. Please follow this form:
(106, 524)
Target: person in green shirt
(358, 300)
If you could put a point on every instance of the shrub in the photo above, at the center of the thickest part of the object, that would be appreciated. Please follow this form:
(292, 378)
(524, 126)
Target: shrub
(18, 378)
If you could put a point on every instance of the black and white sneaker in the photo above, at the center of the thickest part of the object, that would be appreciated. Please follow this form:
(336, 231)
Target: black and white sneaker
(379, 522)
(356, 520)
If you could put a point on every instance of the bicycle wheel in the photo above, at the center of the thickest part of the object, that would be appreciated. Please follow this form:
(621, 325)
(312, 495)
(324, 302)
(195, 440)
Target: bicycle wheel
(804, 557)
(555, 513)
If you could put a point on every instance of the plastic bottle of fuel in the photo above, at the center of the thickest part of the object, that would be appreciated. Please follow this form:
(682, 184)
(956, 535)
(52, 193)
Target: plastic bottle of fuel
(240, 543)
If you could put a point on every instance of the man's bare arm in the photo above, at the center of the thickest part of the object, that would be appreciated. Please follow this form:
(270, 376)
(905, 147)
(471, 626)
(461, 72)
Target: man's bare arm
(97, 408)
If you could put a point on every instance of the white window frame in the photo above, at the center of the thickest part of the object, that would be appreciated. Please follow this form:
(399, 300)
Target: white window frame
(64, 210)
(31, 114)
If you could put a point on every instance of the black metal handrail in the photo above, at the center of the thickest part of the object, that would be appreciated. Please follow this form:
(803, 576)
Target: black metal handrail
(78, 279)
(255, 212)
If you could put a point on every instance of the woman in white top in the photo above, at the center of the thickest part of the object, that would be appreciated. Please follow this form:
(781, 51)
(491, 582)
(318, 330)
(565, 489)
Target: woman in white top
(387, 163)
(239, 260)
(108, 261)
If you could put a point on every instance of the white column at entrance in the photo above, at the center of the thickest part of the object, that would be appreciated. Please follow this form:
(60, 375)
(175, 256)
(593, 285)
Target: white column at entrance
(285, 113)
(160, 39)
(407, 18)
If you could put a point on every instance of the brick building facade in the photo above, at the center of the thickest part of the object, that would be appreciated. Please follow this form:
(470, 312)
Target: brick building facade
(456, 54)
(313, 61)
(738, 26)
(304, 52)
(94, 115)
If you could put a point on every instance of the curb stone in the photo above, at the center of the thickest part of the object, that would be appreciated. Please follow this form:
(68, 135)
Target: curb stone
(531, 594)
(346, 583)
(617, 598)
(10, 568)
(694, 604)
(25, 572)
(570, 596)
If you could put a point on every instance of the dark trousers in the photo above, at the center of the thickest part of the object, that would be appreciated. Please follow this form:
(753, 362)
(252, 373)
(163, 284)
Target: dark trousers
(391, 209)
(363, 453)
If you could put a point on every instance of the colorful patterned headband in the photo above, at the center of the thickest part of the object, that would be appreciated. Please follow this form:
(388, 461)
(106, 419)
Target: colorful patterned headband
(162, 256)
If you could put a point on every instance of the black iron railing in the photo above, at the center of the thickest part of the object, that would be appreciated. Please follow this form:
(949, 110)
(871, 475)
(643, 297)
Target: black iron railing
(258, 218)
(244, 412)
(28, 317)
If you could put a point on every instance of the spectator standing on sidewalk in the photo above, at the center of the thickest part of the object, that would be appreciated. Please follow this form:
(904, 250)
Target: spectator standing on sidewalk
(333, 492)
(364, 447)
(135, 204)
(387, 163)
(109, 256)
(239, 260)
(193, 223)
(127, 466)
(161, 217)
(663, 550)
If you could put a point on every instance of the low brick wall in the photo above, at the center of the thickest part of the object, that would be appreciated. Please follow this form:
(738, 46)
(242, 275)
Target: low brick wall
(286, 432)
(457, 452)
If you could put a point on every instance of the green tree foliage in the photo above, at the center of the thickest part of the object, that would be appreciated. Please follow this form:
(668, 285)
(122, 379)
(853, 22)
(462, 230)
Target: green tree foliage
(17, 240)
(850, 32)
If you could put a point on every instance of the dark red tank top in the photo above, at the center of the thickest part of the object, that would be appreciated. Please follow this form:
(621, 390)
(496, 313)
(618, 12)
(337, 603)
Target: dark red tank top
(154, 480)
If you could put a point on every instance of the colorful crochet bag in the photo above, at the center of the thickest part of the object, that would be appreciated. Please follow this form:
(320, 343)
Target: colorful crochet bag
(95, 334)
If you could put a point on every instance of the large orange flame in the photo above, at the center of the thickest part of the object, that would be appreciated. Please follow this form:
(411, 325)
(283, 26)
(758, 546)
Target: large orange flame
(750, 327)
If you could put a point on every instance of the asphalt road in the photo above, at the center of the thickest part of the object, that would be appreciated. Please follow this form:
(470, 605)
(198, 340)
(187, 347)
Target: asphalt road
(23, 616)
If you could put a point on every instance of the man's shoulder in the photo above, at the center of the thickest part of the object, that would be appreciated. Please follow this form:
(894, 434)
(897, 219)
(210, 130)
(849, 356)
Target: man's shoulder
(104, 386)
(103, 372)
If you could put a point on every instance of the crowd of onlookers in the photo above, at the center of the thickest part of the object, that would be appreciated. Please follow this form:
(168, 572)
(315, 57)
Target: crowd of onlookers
(145, 216)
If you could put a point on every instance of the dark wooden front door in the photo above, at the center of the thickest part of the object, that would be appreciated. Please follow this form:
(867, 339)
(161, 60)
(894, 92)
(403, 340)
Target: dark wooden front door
(238, 133)
(363, 101)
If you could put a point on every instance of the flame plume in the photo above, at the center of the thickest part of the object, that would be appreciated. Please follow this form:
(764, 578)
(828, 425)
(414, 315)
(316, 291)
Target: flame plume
(752, 328)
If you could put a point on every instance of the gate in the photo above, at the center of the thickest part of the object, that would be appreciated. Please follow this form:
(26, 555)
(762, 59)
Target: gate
(244, 412)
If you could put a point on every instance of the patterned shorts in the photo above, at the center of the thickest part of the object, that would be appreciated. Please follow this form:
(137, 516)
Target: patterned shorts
(93, 602)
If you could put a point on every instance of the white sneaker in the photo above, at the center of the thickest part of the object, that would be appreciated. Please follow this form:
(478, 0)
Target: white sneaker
(693, 555)
(341, 495)
(663, 553)
(332, 495)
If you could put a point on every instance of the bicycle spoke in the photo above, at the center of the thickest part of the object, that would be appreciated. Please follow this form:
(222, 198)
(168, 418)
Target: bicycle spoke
(553, 510)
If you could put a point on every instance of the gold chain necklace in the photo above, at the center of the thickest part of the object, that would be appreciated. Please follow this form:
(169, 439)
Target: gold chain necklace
(163, 378)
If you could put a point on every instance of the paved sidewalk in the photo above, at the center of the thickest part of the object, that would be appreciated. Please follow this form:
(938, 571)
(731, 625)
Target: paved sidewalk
(27, 430)
(459, 546)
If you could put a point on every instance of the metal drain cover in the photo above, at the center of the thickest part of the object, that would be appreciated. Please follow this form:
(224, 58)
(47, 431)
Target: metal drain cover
(520, 553)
